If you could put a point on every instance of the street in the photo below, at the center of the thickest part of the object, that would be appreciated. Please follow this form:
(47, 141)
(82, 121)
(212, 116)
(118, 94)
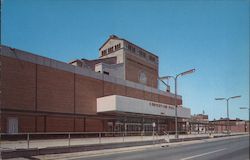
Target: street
(234, 149)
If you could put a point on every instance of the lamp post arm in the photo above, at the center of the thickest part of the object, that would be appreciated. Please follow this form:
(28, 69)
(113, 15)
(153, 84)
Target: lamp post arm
(172, 77)
(177, 76)
(163, 82)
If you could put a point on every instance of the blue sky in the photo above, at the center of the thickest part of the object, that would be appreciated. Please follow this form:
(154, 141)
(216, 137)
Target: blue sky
(210, 36)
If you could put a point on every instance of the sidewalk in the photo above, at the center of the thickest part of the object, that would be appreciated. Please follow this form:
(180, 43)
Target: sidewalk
(39, 144)
(96, 153)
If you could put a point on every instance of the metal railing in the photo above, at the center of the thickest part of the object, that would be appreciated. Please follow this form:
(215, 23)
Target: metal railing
(55, 139)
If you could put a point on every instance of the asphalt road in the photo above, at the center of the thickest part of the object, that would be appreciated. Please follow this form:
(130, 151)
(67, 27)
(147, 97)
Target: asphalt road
(228, 149)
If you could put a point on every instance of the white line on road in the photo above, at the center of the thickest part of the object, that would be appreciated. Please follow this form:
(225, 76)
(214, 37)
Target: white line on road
(203, 154)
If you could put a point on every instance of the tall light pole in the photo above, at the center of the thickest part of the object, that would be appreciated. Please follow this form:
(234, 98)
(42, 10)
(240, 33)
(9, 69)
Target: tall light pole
(227, 99)
(175, 93)
(248, 110)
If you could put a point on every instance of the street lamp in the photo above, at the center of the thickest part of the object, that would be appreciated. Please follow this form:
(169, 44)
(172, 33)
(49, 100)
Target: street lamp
(175, 92)
(244, 108)
(247, 109)
(227, 99)
(248, 115)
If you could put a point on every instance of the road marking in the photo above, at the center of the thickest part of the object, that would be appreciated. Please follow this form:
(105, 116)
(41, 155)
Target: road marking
(203, 154)
(99, 154)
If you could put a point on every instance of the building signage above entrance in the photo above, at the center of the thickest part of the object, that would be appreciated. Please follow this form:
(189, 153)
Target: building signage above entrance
(115, 103)
(160, 105)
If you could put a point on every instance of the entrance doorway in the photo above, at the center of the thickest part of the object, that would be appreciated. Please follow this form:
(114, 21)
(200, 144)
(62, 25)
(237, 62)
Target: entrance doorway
(118, 127)
(12, 125)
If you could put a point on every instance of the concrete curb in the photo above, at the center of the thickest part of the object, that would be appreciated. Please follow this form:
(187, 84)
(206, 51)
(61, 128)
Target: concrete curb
(188, 139)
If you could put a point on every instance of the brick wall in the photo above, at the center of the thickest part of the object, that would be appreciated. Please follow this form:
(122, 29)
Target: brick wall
(238, 128)
(135, 93)
(27, 86)
(79, 125)
(94, 125)
(3, 123)
(40, 124)
(87, 90)
(59, 124)
(18, 84)
(41, 90)
(133, 68)
(234, 128)
(26, 124)
(55, 90)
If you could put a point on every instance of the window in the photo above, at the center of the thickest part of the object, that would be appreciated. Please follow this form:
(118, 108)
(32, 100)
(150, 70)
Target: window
(129, 47)
(151, 58)
(111, 49)
(104, 72)
(126, 46)
(104, 52)
(118, 46)
(12, 126)
(142, 77)
(143, 54)
(133, 49)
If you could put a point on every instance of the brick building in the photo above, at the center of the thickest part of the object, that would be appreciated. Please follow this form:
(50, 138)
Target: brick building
(116, 92)
(235, 125)
(199, 123)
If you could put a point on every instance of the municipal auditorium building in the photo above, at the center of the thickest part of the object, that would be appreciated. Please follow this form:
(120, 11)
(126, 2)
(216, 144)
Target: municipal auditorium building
(116, 92)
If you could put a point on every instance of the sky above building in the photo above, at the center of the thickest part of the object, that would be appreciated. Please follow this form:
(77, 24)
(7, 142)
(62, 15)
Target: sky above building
(210, 36)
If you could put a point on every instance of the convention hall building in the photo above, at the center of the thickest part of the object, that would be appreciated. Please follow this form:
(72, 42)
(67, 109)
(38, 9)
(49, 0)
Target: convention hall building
(117, 92)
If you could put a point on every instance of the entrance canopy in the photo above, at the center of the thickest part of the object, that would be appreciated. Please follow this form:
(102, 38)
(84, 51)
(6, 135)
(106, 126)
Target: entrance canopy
(116, 103)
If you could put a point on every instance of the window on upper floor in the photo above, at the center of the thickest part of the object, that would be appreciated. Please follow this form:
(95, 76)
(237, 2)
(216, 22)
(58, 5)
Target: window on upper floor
(142, 54)
(142, 77)
(111, 49)
(118, 46)
(104, 72)
(152, 58)
(104, 52)
(126, 46)
(133, 49)
(129, 47)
